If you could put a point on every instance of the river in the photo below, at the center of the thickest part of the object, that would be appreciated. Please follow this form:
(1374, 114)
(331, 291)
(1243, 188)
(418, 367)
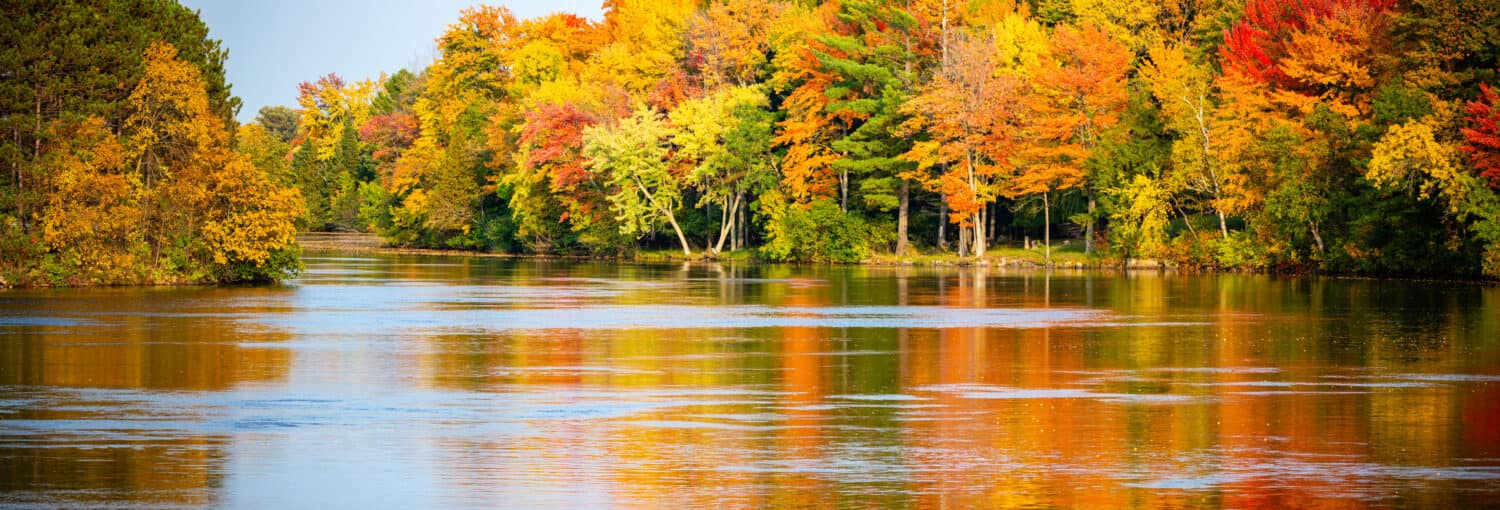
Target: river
(408, 381)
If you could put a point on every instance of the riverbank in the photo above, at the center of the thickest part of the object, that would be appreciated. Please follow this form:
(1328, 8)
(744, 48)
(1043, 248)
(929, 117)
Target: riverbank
(1067, 255)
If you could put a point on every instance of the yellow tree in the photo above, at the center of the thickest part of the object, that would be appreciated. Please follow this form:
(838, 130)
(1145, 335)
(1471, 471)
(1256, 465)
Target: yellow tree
(326, 106)
(168, 124)
(91, 218)
(439, 181)
(169, 117)
(646, 42)
(1134, 23)
(172, 202)
(733, 40)
(1246, 112)
(724, 140)
(235, 214)
(1185, 92)
(243, 217)
(266, 151)
(1410, 158)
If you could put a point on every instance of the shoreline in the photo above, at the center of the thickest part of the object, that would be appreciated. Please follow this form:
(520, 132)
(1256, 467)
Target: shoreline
(371, 243)
(350, 242)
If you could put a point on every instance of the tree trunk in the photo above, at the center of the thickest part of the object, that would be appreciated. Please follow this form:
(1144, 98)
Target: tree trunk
(979, 233)
(1317, 238)
(989, 228)
(901, 218)
(963, 241)
(1186, 220)
(726, 223)
(743, 231)
(977, 229)
(1047, 227)
(671, 218)
(942, 240)
(1088, 230)
(734, 234)
(844, 190)
(680, 237)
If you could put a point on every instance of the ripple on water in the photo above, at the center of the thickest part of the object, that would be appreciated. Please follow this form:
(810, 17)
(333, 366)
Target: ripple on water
(485, 313)
(1297, 384)
(990, 392)
(14, 321)
(880, 398)
(1447, 377)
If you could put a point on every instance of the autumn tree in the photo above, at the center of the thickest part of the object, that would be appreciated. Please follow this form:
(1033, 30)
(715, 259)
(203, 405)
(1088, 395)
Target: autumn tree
(972, 115)
(646, 41)
(725, 140)
(169, 124)
(246, 221)
(1324, 49)
(845, 111)
(1483, 135)
(555, 189)
(732, 40)
(1134, 23)
(633, 153)
(1142, 214)
(441, 187)
(1078, 97)
(267, 151)
(1411, 158)
(92, 218)
(165, 200)
(1185, 93)
(808, 127)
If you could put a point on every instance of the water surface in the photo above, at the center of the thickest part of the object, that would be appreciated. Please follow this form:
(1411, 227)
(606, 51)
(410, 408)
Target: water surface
(409, 381)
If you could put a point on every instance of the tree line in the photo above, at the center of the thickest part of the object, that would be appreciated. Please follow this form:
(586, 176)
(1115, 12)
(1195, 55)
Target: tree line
(1338, 135)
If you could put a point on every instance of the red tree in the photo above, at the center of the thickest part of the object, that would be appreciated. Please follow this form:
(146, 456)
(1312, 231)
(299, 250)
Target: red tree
(1483, 135)
(1255, 44)
(553, 137)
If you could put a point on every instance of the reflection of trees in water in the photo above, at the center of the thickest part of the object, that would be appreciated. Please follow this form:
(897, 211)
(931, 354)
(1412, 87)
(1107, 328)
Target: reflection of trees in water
(172, 339)
(1248, 441)
(132, 339)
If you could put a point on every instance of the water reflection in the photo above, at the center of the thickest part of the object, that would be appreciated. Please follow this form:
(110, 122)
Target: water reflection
(419, 381)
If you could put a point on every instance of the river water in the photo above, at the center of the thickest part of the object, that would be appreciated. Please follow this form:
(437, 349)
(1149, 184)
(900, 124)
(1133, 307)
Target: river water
(387, 381)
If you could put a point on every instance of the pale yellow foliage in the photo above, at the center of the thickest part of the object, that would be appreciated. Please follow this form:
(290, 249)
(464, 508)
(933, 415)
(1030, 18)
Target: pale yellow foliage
(1021, 44)
(244, 216)
(1132, 22)
(1410, 156)
(169, 116)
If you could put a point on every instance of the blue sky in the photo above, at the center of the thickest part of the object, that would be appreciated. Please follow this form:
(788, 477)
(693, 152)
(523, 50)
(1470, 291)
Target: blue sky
(276, 44)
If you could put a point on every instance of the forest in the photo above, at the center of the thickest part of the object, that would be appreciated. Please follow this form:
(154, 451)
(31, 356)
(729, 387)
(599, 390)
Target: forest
(117, 143)
(1340, 136)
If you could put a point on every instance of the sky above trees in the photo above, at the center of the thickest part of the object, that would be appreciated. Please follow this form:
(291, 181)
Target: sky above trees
(276, 44)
